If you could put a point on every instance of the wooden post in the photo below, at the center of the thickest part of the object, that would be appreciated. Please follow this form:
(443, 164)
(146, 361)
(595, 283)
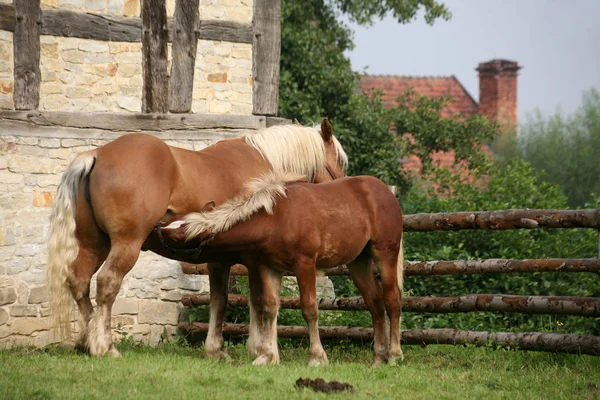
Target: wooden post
(266, 52)
(26, 44)
(184, 55)
(155, 95)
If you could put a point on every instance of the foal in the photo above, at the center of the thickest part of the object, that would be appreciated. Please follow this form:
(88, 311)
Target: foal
(285, 226)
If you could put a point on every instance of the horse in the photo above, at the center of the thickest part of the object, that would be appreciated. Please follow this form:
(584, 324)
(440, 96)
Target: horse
(110, 200)
(287, 225)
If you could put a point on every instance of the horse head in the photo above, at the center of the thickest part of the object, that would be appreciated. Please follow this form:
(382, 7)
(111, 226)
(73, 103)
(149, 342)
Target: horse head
(335, 157)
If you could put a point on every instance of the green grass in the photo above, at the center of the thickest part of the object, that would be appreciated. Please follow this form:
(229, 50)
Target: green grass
(173, 372)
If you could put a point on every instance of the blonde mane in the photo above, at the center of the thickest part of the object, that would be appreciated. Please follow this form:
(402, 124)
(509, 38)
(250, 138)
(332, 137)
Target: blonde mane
(295, 149)
(263, 192)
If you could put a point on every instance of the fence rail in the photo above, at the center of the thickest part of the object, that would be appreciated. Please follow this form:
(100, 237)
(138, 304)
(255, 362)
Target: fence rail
(535, 341)
(566, 305)
(494, 220)
(457, 267)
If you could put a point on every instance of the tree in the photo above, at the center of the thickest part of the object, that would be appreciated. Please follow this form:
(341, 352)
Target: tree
(317, 81)
(567, 149)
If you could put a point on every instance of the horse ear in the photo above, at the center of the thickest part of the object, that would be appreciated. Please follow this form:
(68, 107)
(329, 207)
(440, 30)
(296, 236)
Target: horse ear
(297, 122)
(208, 206)
(326, 131)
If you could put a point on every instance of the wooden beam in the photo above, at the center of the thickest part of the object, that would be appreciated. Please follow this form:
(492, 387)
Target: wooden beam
(91, 26)
(7, 17)
(227, 31)
(184, 55)
(266, 52)
(26, 44)
(120, 122)
(69, 23)
(535, 341)
(155, 91)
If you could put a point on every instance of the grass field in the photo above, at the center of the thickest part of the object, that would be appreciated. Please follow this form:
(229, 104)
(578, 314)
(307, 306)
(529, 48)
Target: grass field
(174, 372)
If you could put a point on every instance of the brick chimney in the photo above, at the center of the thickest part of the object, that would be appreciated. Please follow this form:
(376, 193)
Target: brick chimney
(498, 92)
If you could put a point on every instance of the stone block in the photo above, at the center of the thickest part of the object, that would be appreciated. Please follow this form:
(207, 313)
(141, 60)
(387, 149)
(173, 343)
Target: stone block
(62, 153)
(7, 296)
(74, 56)
(6, 86)
(3, 316)
(125, 306)
(35, 165)
(28, 325)
(158, 312)
(78, 92)
(38, 295)
(131, 8)
(73, 142)
(49, 50)
(43, 198)
(171, 295)
(23, 310)
(128, 103)
(10, 177)
(27, 250)
(49, 143)
(95, 5)
(217, 77)
(219, 107)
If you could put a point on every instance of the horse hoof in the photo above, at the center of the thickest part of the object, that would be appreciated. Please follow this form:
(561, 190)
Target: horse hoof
(263, 360)
(318, 362)
(114, 353)
(217, 355)
(376, 363)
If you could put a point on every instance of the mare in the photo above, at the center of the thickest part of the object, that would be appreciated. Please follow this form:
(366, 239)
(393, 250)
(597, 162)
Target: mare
(110, 200)
(285, 226)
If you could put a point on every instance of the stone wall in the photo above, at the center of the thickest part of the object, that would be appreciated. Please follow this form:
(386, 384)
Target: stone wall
(30, 170)
(96, 76)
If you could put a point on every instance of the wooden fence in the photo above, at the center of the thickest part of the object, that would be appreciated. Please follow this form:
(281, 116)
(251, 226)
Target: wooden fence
(496, 220)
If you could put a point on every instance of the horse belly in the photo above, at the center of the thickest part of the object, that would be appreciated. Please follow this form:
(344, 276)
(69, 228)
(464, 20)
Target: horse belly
(340, 249)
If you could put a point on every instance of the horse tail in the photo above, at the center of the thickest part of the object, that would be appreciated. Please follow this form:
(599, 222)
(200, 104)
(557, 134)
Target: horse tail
(63, 246)
(400, 266)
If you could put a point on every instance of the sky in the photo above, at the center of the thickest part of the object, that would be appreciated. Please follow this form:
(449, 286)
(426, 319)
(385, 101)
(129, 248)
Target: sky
(556, 42)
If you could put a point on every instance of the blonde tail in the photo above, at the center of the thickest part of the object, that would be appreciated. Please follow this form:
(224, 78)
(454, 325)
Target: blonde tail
(401, 267)
(63, 246)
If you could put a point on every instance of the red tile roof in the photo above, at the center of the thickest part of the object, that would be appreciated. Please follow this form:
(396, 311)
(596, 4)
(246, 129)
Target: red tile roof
(393, 87)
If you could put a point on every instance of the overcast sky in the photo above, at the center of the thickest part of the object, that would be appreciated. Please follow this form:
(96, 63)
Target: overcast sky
(557, 42)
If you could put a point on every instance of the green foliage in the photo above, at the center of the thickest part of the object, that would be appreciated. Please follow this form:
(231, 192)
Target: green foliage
(511, 185)
(567, 149)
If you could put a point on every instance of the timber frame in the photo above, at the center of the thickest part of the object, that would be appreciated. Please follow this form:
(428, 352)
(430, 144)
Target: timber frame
(161, 93)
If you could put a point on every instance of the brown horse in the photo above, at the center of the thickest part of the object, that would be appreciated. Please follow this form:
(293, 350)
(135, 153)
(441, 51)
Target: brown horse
(110, 199)
(302, 228)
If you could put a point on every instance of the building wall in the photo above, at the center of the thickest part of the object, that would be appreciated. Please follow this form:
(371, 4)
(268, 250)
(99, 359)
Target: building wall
(95, 76)
(30, 171)
(80, 75)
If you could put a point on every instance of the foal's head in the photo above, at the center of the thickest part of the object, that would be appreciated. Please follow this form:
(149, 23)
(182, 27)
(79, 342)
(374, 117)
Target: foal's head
(335, 157)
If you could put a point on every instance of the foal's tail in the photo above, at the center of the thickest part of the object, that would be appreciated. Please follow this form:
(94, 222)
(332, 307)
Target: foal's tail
(63, 246)
(401, 267)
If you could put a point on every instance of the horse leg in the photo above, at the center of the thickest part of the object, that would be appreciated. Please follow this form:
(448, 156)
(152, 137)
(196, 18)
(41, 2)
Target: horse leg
(256, 311)
(361, 271)
(88, 261)
(306, 274)
(121, 259)
(218, 276)
(392, 299)
(271, 284)
(93, 250)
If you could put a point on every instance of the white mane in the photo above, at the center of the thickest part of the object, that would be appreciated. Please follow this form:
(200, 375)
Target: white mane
(295, 149)
(262, 193)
